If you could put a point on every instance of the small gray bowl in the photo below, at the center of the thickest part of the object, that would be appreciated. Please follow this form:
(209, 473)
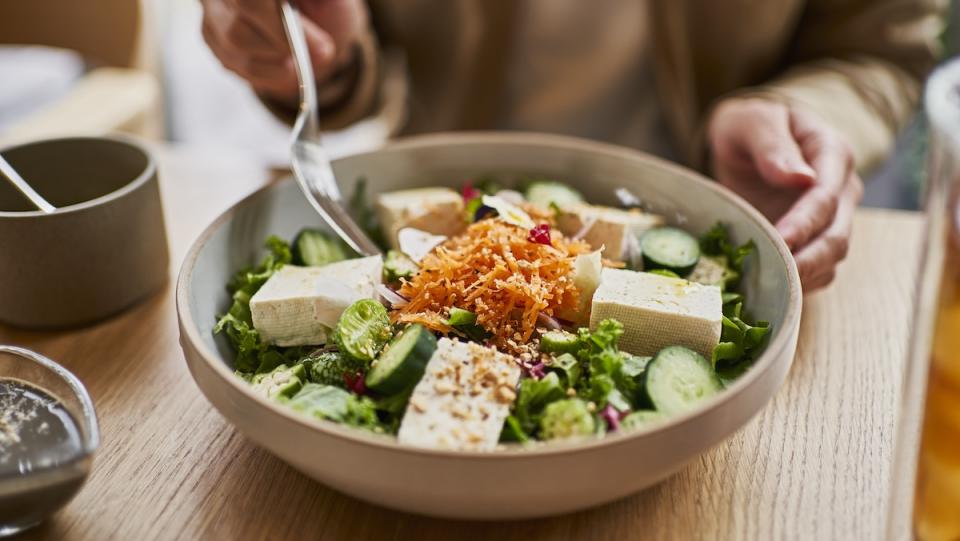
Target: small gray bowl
(101, 251)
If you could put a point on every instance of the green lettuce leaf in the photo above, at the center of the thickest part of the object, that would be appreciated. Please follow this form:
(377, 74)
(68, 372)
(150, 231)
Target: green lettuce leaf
(603, 390)
(608, 381)
(740, 340)
(512, 431)
(533, 397)
(567, 367)
(606, 336)
(470, 209)
(740, 343)
(716, 242)
(634, 365)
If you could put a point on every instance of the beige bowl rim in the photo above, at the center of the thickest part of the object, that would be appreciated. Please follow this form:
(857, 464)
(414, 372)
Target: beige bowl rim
(762, 364)
(149, 171)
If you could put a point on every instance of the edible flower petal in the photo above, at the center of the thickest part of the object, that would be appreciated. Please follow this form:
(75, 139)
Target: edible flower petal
(612, 416)
(540, 235)
(469, 192)
(511, 196)
(355, 382)
(511, 214)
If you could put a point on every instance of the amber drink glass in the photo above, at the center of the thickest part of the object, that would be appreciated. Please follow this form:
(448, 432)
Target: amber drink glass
(925, 502)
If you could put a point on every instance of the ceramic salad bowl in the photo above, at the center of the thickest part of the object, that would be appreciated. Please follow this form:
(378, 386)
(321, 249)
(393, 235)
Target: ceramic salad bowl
(517, 481)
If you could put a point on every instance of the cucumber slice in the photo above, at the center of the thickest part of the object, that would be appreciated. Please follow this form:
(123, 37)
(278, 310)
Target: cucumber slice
(363, 330)
(640, 418)
(402, 362)
(460, 317)
(465, 322)
(314, 248)
(671, 249)
(664, 272)
(559, 342)
(549, 193)
(397, 265)
(282, 382)
(568, 418)
(677, 379)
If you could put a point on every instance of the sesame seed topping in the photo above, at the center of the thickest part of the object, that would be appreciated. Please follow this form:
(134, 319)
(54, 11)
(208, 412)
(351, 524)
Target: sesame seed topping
(505, 394)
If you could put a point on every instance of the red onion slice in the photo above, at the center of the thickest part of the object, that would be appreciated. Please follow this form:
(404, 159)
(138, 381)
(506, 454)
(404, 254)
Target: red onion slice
(587, 224)
(548, 322)
(509, 213)
(392, 297)
(612, 416)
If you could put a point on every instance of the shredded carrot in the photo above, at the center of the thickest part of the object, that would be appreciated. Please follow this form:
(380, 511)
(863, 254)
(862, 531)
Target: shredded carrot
(493, 271)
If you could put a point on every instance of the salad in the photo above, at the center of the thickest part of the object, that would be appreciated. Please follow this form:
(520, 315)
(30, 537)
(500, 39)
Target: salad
(495, 316)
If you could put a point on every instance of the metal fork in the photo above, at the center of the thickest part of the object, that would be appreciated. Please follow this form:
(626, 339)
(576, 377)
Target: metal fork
(14, 177)
(311, 164)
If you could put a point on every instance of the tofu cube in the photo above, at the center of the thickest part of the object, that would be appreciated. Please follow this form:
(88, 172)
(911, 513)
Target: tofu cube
(658, 311)
(299, 306)
(435, 210)
(463, 399)
(608, 227)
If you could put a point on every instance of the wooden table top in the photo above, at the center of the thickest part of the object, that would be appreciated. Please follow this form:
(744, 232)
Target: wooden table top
(813, 464)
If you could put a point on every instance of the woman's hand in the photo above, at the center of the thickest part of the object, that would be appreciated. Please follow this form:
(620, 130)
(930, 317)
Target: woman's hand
(797, 171)
(248, 38)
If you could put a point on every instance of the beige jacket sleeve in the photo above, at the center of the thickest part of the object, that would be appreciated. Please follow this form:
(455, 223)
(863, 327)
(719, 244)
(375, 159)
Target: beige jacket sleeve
(861, 65)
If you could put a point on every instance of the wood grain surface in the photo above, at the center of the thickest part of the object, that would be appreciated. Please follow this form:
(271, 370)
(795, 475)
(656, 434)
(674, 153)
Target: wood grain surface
(814, 464)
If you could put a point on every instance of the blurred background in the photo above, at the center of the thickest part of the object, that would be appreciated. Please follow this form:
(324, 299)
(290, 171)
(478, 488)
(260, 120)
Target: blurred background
(142, 67)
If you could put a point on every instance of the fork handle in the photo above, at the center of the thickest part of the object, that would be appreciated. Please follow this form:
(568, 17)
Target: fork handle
(293, 28)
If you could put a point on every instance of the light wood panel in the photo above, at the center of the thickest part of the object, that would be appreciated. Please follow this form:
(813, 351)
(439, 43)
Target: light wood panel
(814, 464)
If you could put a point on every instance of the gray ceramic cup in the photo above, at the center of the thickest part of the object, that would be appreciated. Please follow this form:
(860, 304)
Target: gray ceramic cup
(104, 248)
